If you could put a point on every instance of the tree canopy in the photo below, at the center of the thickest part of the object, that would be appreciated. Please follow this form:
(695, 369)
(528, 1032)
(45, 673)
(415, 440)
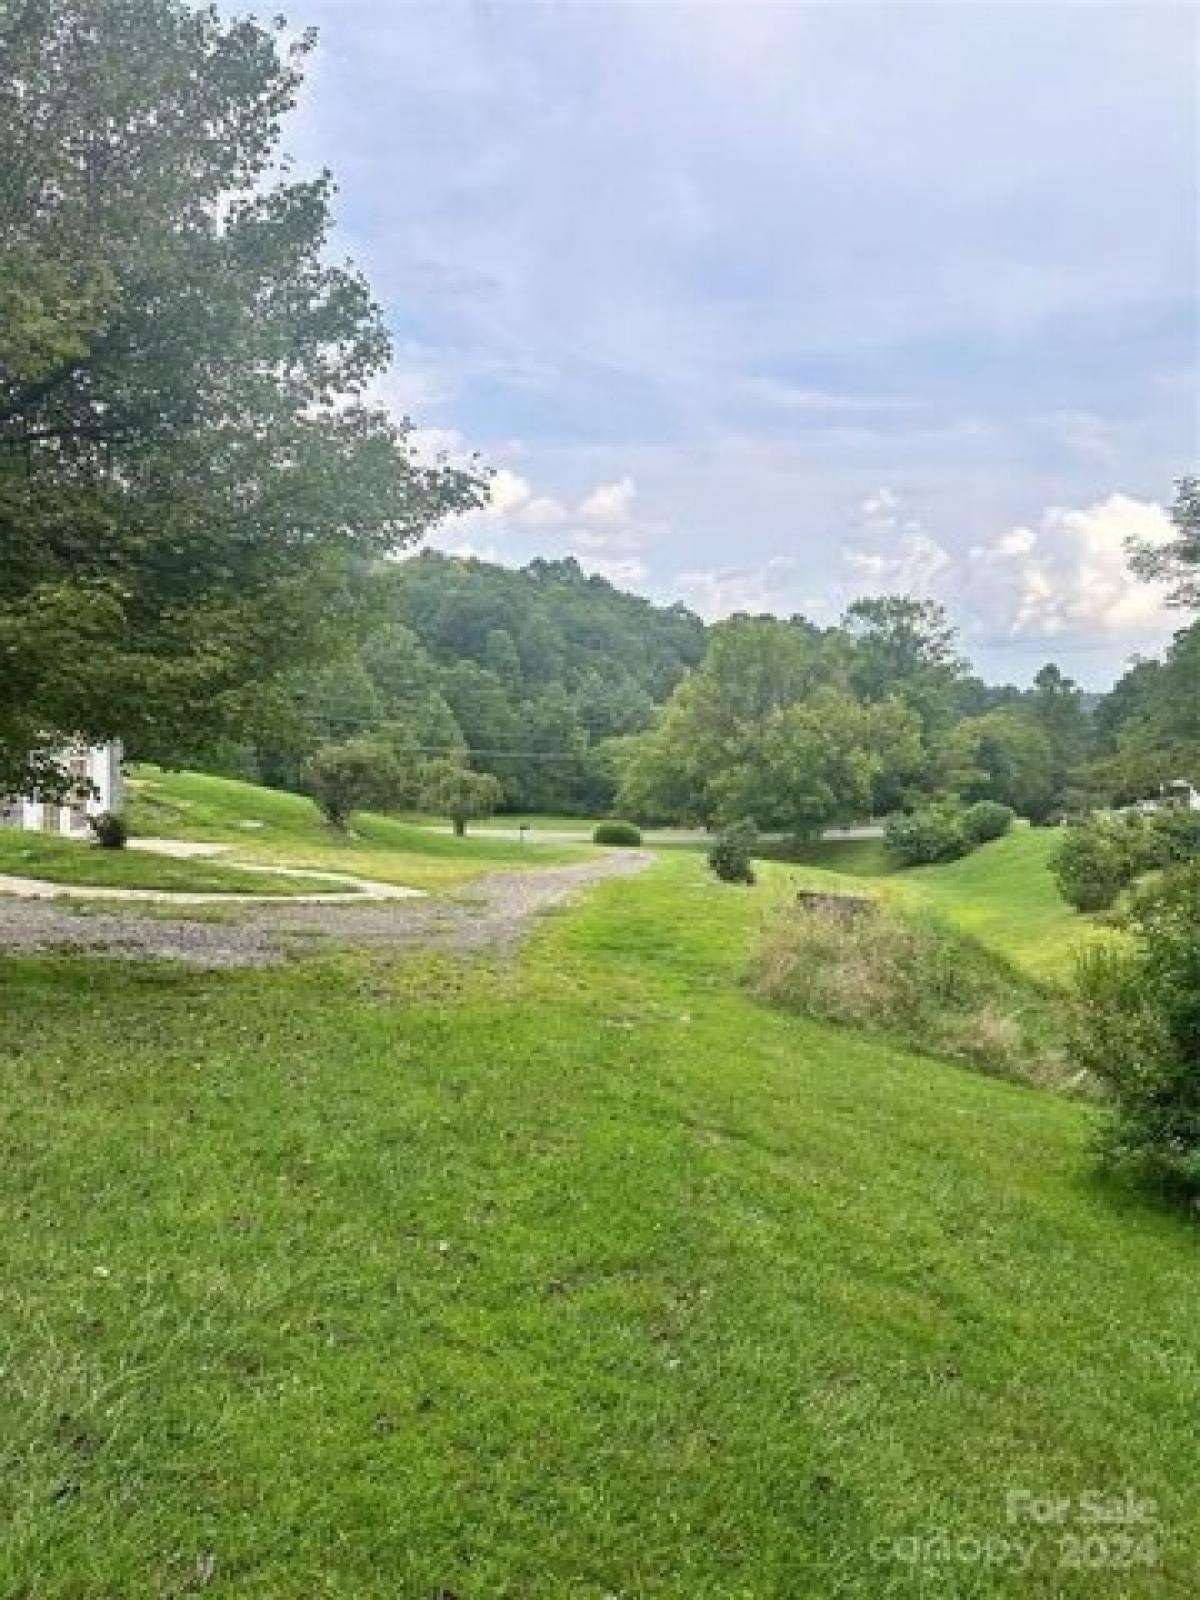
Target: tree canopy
(769, 727)
(530, 674)
(191, 480)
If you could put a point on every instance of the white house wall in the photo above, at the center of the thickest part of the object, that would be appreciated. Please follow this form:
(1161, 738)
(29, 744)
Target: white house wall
(100, 767)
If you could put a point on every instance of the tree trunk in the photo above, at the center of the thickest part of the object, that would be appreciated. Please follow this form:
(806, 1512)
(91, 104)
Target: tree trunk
(460, 827)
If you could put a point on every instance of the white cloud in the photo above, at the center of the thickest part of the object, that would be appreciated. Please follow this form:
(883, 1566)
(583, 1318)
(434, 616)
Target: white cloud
(542, 511)
(1064, 577)
(717, 592)
(622, 573)
(609, 502)
(601, 529)
(881, 507)
(916, 565)
(627, 538)
(1068, 576)
(508, 493)
(435, 444)
(607, 509)
(470, 551)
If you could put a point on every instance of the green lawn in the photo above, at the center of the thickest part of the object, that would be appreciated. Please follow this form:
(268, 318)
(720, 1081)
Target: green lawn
(579, 1279)
(286, 829)
(1002, 893)
(57, 860)
(1005, 895)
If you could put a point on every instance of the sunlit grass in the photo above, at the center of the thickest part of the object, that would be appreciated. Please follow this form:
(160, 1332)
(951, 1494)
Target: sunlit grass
(269, 825)
(579, 1277)
(52, 859)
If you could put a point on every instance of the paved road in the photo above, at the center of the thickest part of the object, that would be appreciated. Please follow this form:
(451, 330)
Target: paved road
(493, 912)
(654, 836)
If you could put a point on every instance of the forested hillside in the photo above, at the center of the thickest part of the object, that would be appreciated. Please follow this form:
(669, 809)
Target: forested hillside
(1148, 728)
(576, 697)
(525, 673)
(579, 697)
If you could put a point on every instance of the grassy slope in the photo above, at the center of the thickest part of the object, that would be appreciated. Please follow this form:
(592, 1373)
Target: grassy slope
(57, 860)
(1002, 893)
(588, 1279)
(290, 832)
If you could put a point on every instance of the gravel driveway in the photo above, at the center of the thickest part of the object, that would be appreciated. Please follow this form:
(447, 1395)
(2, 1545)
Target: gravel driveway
(492, 912)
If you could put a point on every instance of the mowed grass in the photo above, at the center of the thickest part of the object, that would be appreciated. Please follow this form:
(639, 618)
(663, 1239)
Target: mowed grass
(581, 1277)
(271, 826)
(69, 861)
(1003, 893)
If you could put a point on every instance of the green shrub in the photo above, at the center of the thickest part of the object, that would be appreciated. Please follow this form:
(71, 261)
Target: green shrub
(622, 833)
(110, 830)
(457, 792)
(931, 833)
(358, 775)
(1179, 835)
(987, 819)
(1101, 856)
(1136, 1027)
(935, 987)
(732, 851)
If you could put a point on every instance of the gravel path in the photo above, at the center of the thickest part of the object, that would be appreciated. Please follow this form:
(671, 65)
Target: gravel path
(491, 913)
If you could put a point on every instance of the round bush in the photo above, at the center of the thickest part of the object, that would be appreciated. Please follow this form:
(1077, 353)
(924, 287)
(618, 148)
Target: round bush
(110, 830)
(934, 833)
(624, 833)
(730, 856)
(987, 819)
(1096, 860)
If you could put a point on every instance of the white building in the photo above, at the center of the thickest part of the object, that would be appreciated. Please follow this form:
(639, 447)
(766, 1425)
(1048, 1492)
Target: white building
(1180, 795)
(97, 770)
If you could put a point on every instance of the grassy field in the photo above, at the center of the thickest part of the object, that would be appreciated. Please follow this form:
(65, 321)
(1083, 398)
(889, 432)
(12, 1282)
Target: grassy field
(1002, 893)
(270, 826)
(581, 1277)
(58, 860)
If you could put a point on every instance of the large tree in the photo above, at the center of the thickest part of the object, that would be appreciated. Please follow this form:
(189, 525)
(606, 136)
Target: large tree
(191, 482)
(907, 647)
(767, 727)
(1004, 755)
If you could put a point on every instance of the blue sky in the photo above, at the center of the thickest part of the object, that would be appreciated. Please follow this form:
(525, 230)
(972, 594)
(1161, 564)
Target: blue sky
(762, 306)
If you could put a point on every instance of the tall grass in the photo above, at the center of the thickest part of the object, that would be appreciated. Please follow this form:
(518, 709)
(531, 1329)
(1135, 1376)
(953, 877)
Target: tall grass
(916, 977)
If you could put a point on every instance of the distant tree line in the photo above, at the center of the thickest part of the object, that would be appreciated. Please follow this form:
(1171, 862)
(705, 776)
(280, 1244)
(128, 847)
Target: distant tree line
(530, 676)
(580, 699)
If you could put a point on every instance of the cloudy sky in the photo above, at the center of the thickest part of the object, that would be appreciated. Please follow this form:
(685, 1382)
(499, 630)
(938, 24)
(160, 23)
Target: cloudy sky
(760, 306)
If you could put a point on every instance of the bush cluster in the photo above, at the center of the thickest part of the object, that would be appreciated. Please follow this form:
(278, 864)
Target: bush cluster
(916, 977)
(1136, 1027)
(943, 831)
(932, 833)
(731, 855)
(621, 833)
(111, 831)
(987, 820)
(1103, 855)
